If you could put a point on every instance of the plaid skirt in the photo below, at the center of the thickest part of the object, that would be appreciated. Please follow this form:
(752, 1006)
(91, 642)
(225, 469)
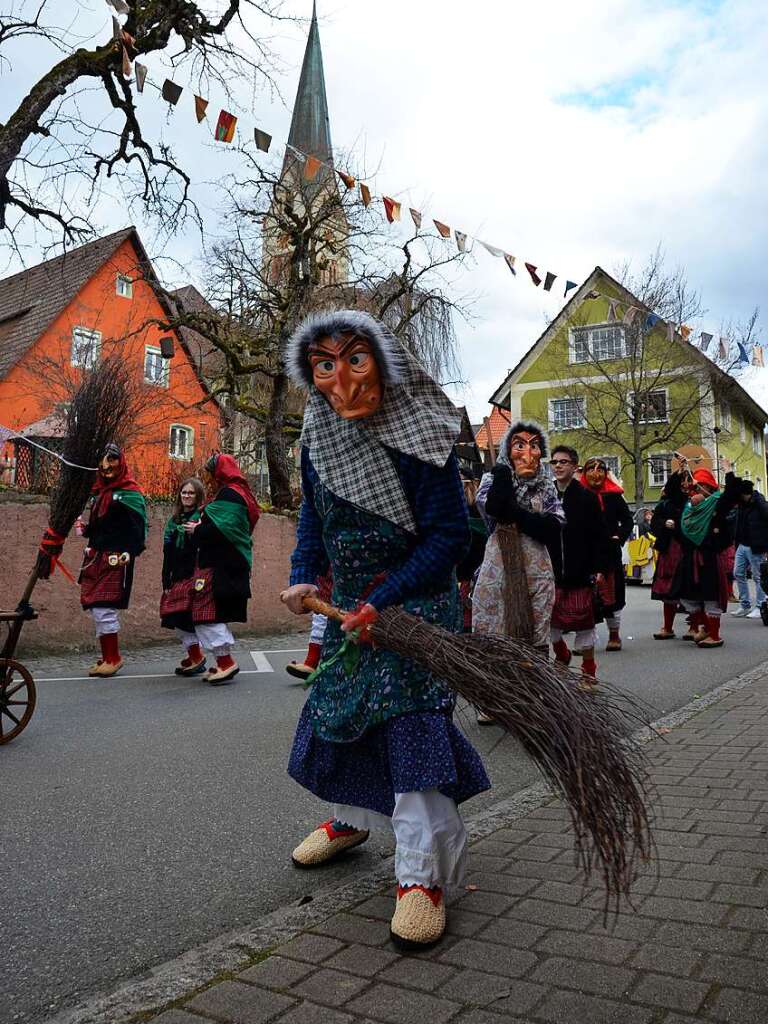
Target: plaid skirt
(105, 582)
(574, 609)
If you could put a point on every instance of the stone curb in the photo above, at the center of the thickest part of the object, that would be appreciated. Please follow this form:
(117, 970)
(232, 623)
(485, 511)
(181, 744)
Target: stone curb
(234, 950)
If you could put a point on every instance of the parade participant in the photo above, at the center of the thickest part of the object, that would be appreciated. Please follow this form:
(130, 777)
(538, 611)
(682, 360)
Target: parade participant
(222, 581)
(116, 533)
(751, 536)
(619, 524)
(701, 583)
(179, 559)
(519, 491)
(467, 568)
(578, 563)
(665, 527)
(303, 670)
(383, 505)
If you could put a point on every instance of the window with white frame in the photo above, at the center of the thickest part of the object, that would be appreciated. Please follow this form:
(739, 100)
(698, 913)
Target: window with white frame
(725, 415)
(182, 442)
(757, 441)
(86, 345)
(659, 469)
(124, 286)
(652, 406)
(156, 369)
(597, 343)
(566, 413)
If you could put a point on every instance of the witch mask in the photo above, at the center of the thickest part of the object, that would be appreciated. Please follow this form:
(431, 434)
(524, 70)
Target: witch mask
(109, 465)
(525, 454)
(345, 372)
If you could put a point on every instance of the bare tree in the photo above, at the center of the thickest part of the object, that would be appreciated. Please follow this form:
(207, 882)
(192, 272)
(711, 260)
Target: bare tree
(50, 146)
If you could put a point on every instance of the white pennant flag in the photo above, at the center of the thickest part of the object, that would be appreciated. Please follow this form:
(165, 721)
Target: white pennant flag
(491, 249)
(461, 240)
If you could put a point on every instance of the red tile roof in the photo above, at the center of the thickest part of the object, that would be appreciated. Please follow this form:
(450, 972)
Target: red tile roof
(499, 421)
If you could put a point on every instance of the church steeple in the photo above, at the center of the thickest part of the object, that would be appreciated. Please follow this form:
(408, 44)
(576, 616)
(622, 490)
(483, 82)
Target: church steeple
(310, 125)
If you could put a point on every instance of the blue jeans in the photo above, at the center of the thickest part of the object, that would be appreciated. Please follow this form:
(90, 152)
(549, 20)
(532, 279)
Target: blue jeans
(745, 556)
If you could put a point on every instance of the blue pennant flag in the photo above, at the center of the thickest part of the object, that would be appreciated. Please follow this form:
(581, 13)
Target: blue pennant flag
(651, 320)
(568, 286)
(743, 357)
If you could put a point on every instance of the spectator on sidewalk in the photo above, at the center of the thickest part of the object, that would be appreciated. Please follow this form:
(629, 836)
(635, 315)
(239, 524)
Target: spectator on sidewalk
(179, 560)
(751, 536)
(578, 563)
(619, 524)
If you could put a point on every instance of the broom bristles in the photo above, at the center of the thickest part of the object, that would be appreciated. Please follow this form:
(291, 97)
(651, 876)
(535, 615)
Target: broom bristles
(579, 741)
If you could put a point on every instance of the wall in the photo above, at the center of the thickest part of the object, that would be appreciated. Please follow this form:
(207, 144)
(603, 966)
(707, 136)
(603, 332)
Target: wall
(64, 626)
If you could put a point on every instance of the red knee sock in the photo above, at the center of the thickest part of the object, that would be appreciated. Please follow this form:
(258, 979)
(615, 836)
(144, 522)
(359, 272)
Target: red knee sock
(224, 661)
(589, 667)
(110, 649)
(313, 655)
(669, 617)
(713, 626)
(562, 653)
(194, 654)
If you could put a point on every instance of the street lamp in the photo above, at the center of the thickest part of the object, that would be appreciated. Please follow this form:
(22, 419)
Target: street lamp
(716, 432)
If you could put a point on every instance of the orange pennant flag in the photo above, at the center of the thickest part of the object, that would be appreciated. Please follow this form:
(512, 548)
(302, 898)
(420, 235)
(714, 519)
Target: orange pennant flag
(391, 208)
(225, 127)
(348, 180)
(444, 230)
(126, 64)
(365, 194)
(685, 331)
(311, 166)
(200, 106)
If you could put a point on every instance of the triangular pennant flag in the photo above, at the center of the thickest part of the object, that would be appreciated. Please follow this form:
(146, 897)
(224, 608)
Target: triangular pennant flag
(225, 127)
(743, 357)
(705, 340)
(262, 140)
(549, 280)
(171, 92)
(723, 348)
(416, 218)
(670, 332)
(758, 358)
(630, 315)
(510, 261)
(491, 249)
(569, 285)
(127, 39)
(311, 166)
(365, 194)
(120, 6)
(117, 30)
(200, 108)
(126, 64)
(534, 276)
(348, 180)
(461, 240)
(685, 332)
(141, 75)
(651, 320)
(612, 303)
(391, 208)
(445, 231)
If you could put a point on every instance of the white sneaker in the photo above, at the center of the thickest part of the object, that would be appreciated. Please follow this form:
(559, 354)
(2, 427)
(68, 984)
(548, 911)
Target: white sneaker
(742, 613)
(754, 614)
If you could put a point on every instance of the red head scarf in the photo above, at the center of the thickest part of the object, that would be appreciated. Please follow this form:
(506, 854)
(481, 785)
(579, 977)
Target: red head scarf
(704, 476)
(104, 489)
(227, 473)
(608, 485)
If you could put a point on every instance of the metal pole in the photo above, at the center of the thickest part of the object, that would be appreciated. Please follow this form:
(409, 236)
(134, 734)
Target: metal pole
(717, 454)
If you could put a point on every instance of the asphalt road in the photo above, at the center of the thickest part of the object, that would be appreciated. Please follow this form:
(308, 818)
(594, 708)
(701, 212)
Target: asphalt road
(144, 815)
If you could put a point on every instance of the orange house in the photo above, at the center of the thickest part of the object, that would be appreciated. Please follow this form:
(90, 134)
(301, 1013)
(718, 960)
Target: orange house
(58, 318)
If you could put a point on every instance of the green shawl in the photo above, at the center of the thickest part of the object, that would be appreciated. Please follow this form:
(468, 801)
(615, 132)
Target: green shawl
(134, 500)
(175, 529)
(232, 520)
(697, 519)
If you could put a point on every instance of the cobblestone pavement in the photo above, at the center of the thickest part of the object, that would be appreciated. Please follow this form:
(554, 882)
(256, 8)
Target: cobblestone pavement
(526, 940)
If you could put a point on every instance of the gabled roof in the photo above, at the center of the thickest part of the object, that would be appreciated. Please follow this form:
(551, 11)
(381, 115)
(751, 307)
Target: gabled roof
(625, 297)
(207, 360)
(32, 299)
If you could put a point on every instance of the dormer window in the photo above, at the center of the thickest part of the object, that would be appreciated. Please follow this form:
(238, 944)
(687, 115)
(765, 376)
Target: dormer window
(124, 286)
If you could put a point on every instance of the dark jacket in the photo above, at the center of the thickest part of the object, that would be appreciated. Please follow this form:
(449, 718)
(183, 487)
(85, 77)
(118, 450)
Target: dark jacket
(473, 559)
(752, 523)
(582, 553)
(231, 574)
(120, 529)
(671, 506)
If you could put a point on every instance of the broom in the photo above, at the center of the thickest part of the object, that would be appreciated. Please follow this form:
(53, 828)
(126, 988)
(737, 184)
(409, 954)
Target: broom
(580, 742)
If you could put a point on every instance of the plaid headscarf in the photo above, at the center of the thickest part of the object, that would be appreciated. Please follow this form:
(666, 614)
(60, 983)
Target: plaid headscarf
(415, 417)
(536, 492)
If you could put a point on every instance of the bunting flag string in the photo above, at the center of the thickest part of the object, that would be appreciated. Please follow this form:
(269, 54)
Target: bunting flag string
(141, 75)
(200, 108)
(461, 240)
(311, 166)
(225, 127)
(549, 280)
(443, 229)
(758, 358)
(416, 218)
(705, 340)
(532, 271)
(171, 92)
(264, 141)
(365, 194)
(569, 286)
(510, 261)
(391, 209)
(491, 249)
(349, 181)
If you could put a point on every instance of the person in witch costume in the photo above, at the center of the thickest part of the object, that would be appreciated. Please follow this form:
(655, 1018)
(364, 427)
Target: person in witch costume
(665, 527)
(701, 582)
(116, 533)
(383, 506)
(222, 578)
(179, 560)
(619, 524)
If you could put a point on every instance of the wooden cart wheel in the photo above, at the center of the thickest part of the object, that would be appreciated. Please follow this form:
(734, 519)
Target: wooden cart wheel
(17, 698)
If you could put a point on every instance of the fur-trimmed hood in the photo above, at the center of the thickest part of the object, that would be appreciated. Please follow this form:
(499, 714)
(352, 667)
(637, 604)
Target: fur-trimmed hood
(388, 353)
(530, 427)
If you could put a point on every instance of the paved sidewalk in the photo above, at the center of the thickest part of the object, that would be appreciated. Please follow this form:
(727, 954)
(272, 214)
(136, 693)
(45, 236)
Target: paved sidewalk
(526, 940)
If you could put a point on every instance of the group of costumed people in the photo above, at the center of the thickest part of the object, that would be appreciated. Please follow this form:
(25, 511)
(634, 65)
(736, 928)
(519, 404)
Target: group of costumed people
(206, 562)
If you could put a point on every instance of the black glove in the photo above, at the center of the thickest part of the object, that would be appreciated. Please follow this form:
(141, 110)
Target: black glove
(501, 501)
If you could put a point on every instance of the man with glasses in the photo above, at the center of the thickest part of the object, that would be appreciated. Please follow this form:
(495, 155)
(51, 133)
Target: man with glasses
(577, 563)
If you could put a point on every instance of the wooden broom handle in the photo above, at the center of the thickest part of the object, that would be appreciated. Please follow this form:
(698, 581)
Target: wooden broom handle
(314, 604)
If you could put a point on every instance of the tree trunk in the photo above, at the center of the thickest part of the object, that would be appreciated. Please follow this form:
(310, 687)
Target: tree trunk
(274, 443)
(639, 479)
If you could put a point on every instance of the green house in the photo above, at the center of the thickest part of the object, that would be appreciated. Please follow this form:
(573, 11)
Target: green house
(610, 378)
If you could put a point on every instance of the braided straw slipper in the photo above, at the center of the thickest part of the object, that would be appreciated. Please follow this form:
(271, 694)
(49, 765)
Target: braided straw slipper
(419, 918)
(325, 843)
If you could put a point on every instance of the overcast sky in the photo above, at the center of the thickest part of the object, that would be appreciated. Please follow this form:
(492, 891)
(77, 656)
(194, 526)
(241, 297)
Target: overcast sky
(569, 134)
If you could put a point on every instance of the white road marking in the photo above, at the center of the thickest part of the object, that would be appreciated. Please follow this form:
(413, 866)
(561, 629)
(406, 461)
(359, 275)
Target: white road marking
(166, 675)
(261, 662)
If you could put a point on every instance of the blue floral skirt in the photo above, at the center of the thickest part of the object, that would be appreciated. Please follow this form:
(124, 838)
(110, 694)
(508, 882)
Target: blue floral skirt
(405, 754)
